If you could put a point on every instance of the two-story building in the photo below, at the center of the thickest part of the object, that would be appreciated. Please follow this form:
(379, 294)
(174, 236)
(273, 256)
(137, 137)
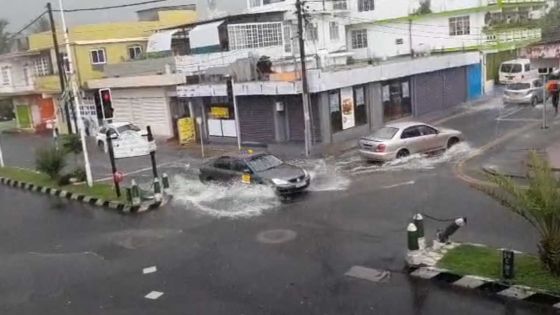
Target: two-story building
(93, 48)
(362, 72)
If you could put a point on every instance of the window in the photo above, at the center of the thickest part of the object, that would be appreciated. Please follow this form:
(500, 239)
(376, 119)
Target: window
(360, 111)
(396, 99)
(5, 71)
(42, 66)
(98, 56)
(359, 39)
(527, 67)
(399, 41)
(459, 26)
(255, 35)
(334, 109)
(427, 130)
(238, 166)
(334, 30)
(340, 5)
(27, 75)
(223, 163)
(288, 38)
(135, 52)
(312, 33)
(411, 132)
(366, 5)
(537, 83)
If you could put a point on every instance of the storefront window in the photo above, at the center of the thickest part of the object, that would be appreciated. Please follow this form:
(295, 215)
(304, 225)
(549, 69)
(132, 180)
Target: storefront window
(360, 102)
(396, 99)
(334, 108)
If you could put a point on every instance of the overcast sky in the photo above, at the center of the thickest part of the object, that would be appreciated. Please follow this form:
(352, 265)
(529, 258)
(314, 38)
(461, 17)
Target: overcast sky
(20, 12)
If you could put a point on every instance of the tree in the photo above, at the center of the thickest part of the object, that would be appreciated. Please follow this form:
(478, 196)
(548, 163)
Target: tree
(5, 40)
(42, 25)
(550, 24)
(538, 204)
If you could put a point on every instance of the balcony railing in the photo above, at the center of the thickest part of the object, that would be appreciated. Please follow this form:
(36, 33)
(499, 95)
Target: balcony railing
(509, 36)
(49, 83)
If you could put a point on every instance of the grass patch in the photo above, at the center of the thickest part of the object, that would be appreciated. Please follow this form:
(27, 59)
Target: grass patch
(103, 191)
(487, 262)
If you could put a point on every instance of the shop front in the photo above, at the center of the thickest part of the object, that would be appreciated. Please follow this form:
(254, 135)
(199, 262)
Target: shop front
(397, 100)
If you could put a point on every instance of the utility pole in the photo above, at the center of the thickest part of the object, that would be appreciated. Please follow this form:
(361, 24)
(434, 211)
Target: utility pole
(60, 66)
(410, 38)
(305, 86)
(76, 102)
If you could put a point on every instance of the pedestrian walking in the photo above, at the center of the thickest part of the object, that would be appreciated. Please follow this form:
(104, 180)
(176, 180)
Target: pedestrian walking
(553, 91)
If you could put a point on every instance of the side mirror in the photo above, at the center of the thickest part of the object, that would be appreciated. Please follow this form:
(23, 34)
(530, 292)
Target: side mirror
(114, 136)
(247, 171)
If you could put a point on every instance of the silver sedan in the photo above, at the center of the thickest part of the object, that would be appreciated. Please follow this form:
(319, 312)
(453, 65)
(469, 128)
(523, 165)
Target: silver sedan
(399, 140)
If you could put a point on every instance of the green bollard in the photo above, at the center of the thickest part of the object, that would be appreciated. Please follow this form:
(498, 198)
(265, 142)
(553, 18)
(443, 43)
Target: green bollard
(165, 183)
(412, 234)
(157, 190)
(135, 194)
(418, 220)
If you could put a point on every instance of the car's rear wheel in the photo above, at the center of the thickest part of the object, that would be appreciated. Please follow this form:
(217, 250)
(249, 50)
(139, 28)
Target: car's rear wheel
(451, 142)
(100, 145)
(534, 101)
(402, 154)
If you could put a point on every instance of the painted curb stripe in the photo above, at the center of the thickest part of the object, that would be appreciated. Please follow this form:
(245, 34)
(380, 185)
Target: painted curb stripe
(447, 277)
(543, 298)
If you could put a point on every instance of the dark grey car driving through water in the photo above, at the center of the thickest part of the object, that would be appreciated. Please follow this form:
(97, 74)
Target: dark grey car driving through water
(258, 168)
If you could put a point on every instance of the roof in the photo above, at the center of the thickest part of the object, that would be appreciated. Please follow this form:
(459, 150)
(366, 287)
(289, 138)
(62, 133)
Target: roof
(404, 124)
(225, 17)
(517, 60)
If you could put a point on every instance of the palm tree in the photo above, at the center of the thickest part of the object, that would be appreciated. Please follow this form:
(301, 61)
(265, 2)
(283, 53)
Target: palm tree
(5, 37)
(539, 204)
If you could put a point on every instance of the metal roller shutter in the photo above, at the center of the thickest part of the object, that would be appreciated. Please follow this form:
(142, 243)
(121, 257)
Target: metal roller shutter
(143, 112)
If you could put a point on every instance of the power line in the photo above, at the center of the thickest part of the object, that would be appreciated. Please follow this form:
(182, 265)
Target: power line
(14, 35)
(111, 7)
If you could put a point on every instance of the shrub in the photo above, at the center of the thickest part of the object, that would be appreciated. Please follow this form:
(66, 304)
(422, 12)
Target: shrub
(79, 174)
(64, 180)
(50, 161)
(72, 144)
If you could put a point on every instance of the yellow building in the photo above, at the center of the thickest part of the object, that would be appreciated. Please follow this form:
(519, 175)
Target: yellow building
(94, 46)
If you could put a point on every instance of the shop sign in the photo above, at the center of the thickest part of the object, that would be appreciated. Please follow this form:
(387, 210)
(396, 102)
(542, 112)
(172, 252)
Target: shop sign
(185, 127)
(347, 108)
(219, 112)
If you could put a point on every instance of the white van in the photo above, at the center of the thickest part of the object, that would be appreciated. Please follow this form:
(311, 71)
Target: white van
(517, 70)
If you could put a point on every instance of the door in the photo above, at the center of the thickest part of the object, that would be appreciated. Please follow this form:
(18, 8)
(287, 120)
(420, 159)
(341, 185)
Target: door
(474, 73)
(23, 116)
(431, 139)
(222, 169)
(412, 138)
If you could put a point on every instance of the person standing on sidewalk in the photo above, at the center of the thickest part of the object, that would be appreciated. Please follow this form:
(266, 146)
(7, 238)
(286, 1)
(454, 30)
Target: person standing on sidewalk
(553, 90)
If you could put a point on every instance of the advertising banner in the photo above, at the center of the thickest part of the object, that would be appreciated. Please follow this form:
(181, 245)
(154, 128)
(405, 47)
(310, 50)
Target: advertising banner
(185, 126)
(347, 108)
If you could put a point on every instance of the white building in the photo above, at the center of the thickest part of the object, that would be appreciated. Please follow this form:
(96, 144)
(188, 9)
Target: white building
(391, 59)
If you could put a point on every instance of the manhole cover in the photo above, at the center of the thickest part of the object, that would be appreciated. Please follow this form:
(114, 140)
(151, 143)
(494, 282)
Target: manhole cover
(276, 236)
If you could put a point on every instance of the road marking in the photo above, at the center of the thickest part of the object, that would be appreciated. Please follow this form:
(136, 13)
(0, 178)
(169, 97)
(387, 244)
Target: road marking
(148, 270)
(154, 295)
(399, 185)
(518, 119)
(513, 112)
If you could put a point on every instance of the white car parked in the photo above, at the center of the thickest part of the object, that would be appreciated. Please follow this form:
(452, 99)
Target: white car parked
(115, 130)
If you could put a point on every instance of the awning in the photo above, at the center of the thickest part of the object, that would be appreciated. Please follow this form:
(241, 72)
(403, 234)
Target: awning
(160, 41)
(205, 35)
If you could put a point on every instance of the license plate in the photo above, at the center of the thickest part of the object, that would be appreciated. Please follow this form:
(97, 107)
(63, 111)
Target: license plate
(299, 185)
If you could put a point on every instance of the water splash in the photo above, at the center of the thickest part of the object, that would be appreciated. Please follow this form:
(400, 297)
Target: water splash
(234, 200)
(324, 175)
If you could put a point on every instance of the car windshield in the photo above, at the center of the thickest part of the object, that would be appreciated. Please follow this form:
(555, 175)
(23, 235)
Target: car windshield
(519, 86)
(129, 127)
(264, 162)
(385, 133)
(511, 68)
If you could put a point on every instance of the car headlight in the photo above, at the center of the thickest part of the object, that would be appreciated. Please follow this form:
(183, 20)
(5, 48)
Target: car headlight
(278, 181)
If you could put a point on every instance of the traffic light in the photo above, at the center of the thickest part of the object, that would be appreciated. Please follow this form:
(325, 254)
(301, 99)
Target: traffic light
(229, 87)
(106, 101)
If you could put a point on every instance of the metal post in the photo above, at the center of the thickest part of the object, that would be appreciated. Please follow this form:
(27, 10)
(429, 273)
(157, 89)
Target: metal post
(152, 152)
(157, 190)
(60, 67)
(305, 87)
(418, 220)
(199, 123)
(412, 237)
(113, 165)
(237, 118)
(1, 157)
(544, 125)
(165, 183)
(135, 192)
(73, 84)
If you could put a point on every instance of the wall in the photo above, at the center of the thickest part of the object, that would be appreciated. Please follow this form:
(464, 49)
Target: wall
(17, 77)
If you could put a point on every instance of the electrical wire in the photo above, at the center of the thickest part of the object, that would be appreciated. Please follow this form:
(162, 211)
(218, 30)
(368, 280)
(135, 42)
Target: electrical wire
(110, 7)
(28, 25)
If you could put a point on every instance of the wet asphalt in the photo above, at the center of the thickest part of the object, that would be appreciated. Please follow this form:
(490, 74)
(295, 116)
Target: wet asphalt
(60, 257)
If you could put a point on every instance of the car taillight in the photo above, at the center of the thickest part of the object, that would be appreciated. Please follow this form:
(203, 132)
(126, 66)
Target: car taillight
(380, 148)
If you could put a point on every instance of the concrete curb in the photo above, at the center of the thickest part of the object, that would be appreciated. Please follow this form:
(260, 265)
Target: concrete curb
(422, 265)
(489, 286)
(92, 201)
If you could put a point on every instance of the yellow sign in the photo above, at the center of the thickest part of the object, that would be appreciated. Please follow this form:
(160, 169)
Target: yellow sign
(185, 126)
(219, 112)
(246, 178)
